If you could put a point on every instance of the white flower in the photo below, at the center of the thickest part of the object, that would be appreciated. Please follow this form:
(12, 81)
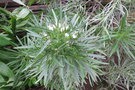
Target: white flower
(74, 36)
(63, 27)
(75, 33)
(60, 25)
(51, 27)
(66, 35)
(67, 41)
(67, 26)
(44, 34)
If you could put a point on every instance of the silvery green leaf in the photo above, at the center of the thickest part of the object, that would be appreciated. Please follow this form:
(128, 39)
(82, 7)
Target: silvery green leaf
(31, 33)
(23, 13)
(24, 47)
(44, 46)
(19, 2)
(55, 17)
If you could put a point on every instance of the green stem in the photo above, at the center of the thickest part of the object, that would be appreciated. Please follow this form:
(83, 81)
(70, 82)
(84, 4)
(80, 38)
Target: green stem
(13, 23)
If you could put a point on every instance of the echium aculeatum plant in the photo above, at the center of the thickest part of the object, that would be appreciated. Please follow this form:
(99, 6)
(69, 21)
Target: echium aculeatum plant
(59, 51)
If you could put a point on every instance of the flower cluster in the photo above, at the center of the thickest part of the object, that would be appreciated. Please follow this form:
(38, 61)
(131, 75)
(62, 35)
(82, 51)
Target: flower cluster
(61, 28)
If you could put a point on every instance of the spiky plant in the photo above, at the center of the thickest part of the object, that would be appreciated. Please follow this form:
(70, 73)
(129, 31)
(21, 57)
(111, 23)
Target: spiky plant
(123, 41)
(120, 49)
(61, 52)
(121, 76)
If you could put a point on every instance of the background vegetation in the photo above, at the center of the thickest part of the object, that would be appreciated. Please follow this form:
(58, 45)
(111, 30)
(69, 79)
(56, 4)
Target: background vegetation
(68, 43)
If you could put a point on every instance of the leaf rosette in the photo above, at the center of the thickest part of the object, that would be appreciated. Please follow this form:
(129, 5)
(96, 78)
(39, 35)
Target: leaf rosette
(61, 51)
